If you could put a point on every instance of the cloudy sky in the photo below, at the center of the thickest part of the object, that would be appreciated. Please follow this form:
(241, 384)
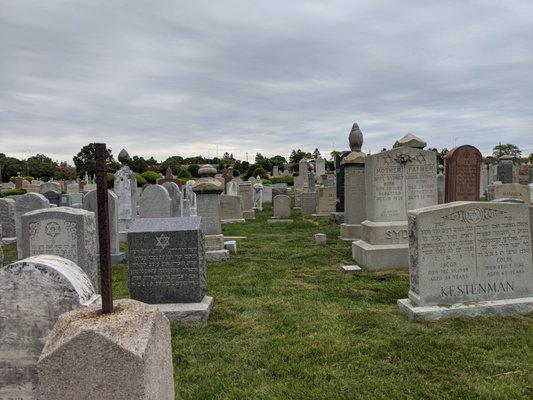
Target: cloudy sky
(165, 77)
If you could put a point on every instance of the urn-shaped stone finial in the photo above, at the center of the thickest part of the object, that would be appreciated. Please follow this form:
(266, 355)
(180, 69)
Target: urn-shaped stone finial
(207, 170)
(123, 156)
(355, 138)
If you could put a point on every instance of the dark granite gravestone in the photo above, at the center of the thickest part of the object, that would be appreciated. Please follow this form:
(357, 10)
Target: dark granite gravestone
(53, 197)
(166, 260)
(462, 176)
(505, 169)
(339, 174)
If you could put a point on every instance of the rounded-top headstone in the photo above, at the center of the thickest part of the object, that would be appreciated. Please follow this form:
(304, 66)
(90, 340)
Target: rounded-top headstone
(355, 138)
(123, 156)
(410, 140)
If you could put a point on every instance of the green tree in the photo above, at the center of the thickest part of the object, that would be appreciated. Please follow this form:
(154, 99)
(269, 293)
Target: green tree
(85, 160)
(174, 163)
(41, 166)
(10, 166)
(297, 155)
(65, 171)
(138, 164)
(506, 150)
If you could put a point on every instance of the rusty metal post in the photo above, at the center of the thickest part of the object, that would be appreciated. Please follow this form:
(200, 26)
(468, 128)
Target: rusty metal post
(103, 229)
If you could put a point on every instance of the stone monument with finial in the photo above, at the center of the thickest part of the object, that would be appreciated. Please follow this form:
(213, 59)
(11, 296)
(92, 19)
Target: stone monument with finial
(396, 181)
(208, 190)
(124, 187)
(354, 187)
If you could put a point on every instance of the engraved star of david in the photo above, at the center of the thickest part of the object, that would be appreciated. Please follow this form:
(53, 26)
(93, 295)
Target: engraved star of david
(388, 159)
(163, 241)
(421, 158)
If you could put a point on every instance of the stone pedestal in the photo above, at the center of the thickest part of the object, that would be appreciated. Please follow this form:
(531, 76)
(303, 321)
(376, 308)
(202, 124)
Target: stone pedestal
(121, 356)
(214, 248)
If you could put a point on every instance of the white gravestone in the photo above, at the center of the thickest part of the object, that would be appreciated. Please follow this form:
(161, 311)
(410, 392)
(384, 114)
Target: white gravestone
(63, 231)
(155, 202)
(258, 195)
(176, 197)
(33, 293)
(23, 204)
(396, 181)
(90, 203)
(125, 186)
(7, 218)
(469, 259)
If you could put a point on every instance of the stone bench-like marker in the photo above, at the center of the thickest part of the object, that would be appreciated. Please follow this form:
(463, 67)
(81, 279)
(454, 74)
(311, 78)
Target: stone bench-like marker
(166, 267)
(469, 259)
(33, 293)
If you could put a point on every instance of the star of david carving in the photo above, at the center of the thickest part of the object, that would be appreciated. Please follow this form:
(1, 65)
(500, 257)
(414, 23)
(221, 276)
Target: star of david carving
(163, 241)
(388, 159)
(421, 158)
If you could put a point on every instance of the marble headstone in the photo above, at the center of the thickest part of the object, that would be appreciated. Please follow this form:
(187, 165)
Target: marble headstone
(33, 293)
(7, 217)
(176, 198)
(63, 231)
(462, 165)
(23, 204)
(155, 202)
(282, 206)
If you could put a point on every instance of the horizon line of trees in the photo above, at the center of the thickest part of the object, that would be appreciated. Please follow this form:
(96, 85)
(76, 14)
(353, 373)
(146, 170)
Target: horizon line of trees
(43, 167)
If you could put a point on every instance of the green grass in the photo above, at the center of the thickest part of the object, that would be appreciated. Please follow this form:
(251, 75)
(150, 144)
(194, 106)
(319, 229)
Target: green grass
(288, 324)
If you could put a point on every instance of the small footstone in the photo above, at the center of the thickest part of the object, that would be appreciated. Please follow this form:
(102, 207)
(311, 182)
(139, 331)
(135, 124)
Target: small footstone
(216, 255)
(320, 238)
(351, 269)
(280, 221)
(231, 246)
(187, 312)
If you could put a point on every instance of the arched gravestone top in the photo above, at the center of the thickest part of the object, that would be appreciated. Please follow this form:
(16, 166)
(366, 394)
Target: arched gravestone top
(25, 203)
(50, 187)
(462, 177)
(282, 206)
(53, 197)
(34, 292)
(176, 197)
(155, 202)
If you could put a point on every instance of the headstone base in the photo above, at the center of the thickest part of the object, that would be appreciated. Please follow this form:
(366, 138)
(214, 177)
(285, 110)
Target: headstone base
(9, 240)
(505, 307)
(336, 217)
(216, 255)
(279, 221)
(232, 221)
(382, 256)
(129, 353)
(213, 242)
(117, 258)
(350, 232)
(250, 214)
(187, 312)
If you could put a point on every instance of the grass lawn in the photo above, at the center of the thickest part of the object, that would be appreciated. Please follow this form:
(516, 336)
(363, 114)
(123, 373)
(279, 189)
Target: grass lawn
(288, 324)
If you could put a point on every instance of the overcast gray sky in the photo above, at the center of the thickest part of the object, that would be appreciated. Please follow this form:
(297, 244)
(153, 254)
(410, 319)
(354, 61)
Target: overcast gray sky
(165, 77)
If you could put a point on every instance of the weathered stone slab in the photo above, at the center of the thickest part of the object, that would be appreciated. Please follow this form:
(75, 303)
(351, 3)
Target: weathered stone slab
(90, 203)
(326, 197)
(282, 206)
(125, 187)
(23, 204)
(121, 356)
(505, 169)
(7, 217)
(230, 209)
(245, 191)
(462, 165)
(208, 207)
(33, 293)
(469, 252)
(155, 202)
(65, 232)
(50, 187)
(166, 260)
(176, 199)
(511, 190)
(308, 203)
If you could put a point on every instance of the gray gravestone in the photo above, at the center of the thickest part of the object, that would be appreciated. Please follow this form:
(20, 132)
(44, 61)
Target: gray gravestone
(245, 191)
(63, 231)
(166, 261)
(7, 217)
(176, 198)
(396, 181)
(505, 169)
(23, 204)
(282, 206)
(50, 187)
(125, 187)
(33, 293)
(308, 200)
(90, 203)
(53, 197)
(230, 209)
(469, 259)
(155, 202)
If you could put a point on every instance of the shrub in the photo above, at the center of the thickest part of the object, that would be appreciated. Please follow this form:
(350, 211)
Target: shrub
(184, 174)
(266, 181)
(289, 180)
(28, 178)
(110, 180)
(151, 176)
(140, 180)
(12, 192)
(193, 169)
